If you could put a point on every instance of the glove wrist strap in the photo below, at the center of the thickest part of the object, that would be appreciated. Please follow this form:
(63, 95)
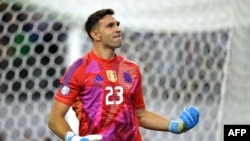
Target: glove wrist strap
(69, 135)
(176, 127)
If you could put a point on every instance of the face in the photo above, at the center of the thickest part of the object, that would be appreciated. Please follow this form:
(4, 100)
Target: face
(108, 32)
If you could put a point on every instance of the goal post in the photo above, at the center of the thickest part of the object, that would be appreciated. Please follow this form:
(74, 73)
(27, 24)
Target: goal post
(190, 53)
(74, 52)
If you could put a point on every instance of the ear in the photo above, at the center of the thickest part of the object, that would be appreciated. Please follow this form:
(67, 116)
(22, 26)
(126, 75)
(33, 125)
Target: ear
(95, 35)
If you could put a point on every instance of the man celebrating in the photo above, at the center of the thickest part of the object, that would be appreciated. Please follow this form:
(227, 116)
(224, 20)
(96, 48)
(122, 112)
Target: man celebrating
(105, 91)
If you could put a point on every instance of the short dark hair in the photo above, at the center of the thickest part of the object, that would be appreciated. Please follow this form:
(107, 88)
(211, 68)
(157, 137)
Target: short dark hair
(95, 17)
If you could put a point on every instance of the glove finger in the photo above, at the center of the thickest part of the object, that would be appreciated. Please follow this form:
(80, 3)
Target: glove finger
(188, 121)
(188, 114)
(94, 137)
(84, 139)
(185, 117)
(194, 112)
(190, 117)
(78, 138)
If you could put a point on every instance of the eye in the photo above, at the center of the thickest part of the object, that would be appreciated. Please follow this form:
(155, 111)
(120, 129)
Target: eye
(110, 25)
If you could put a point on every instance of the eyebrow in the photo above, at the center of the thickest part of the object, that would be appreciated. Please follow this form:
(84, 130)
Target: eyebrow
(113, 23)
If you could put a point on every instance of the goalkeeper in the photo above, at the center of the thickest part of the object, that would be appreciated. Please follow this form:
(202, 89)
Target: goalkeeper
(105, 91)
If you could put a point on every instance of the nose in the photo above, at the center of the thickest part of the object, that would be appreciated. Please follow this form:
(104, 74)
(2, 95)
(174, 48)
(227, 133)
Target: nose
(118, 29)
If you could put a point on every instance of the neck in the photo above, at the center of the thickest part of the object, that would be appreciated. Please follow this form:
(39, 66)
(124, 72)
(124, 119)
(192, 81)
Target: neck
(104, 53)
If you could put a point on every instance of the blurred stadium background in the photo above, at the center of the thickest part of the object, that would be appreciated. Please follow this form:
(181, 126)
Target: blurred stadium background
(192, 52)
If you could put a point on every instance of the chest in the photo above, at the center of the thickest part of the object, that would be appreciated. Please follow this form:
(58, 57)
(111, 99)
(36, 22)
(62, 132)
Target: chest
(114, 86)
(111, 78)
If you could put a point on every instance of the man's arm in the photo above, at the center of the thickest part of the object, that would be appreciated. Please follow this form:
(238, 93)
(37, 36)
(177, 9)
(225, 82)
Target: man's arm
(152, 121)
(57, 122)
(61, 128)
(188, 118)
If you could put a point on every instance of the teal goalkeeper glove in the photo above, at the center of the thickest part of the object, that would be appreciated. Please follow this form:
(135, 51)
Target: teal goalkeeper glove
(189, 118)
(70, 136)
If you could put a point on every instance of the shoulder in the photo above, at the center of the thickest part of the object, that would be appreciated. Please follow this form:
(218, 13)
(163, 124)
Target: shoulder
(75, 66)
(128, 61)
(79, 62)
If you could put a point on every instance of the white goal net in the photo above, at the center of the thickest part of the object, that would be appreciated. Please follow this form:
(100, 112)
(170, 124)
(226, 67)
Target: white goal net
(190, 52)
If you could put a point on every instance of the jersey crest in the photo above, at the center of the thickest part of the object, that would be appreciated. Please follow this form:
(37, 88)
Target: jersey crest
(111, 75)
